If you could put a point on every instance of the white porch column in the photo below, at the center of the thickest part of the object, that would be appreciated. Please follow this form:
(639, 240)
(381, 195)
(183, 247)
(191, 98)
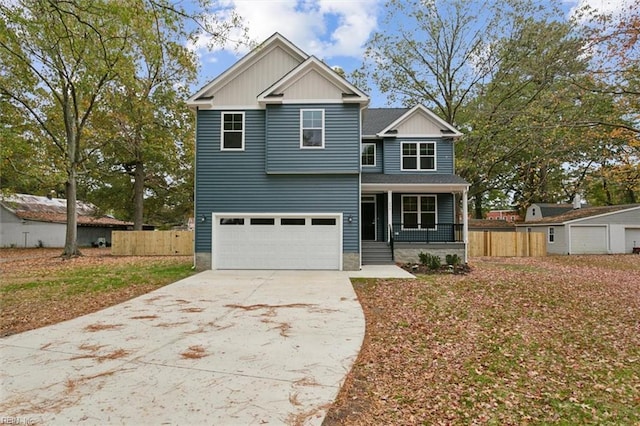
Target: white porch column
(389, 213)
(465, 225)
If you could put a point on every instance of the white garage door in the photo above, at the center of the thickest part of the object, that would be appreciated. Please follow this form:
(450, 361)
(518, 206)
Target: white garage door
(631, 239)
(588, 240)
(277, 241)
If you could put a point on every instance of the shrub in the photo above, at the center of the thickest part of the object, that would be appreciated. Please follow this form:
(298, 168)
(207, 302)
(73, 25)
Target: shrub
(453, 259)
(430, 261)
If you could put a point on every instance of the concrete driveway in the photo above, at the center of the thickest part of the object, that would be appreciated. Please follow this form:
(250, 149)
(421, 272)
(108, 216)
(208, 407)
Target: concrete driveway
(220, 347)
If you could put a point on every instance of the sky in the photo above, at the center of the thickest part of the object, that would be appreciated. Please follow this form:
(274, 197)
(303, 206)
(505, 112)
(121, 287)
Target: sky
(332, 30)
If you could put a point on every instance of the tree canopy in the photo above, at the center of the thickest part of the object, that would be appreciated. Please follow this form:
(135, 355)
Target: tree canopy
(549, 106)
(91, 89)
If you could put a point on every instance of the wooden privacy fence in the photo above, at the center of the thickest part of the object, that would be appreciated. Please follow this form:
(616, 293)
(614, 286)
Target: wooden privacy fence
(152, 243)
(507, 244)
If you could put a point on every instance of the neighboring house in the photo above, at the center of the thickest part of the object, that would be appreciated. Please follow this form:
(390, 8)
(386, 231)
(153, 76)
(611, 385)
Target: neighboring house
(539, 211)
(590, 230)
(34, 221)
(508, 215)
(294, 172)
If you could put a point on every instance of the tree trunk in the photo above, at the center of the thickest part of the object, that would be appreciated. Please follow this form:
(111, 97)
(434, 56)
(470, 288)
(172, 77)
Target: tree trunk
(138, 196)
(71, 236)
(605, 187)
(477, 206)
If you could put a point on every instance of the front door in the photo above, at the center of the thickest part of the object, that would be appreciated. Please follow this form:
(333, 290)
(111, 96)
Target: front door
(369, 221)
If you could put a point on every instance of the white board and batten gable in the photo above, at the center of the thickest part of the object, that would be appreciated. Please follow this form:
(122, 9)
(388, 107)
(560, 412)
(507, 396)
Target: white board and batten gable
(313, 82)
(276, 72)
(239, 86)
(420, 122)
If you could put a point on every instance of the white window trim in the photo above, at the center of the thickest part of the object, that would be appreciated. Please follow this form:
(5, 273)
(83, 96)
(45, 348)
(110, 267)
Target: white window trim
(222, 131)
(551, 232)
(435, 197)
(375, 149)
(302, 111)
(417, 169)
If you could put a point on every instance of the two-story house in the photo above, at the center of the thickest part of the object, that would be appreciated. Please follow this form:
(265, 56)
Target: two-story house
(293, 171)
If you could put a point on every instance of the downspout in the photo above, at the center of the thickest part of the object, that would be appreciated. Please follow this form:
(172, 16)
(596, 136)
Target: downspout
(465, 225)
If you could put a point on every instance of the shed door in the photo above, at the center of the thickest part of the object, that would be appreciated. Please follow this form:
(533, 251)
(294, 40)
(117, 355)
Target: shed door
(277, 241)
(589, 239)
(631, 239)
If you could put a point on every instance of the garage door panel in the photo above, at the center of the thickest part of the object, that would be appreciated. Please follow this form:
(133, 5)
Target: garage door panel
(632, 239)
(588, 240)
(293, 243)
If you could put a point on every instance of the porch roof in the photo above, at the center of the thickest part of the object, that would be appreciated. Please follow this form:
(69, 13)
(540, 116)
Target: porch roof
(432, 182)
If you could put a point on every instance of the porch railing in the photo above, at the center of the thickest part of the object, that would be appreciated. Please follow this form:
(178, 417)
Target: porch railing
(438, 233)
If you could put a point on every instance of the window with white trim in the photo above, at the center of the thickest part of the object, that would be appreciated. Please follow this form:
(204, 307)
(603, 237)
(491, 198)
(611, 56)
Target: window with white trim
(418, 156)
(368, 154)
(312, 128)
(552, 234)
(419, 212)
(232, 138)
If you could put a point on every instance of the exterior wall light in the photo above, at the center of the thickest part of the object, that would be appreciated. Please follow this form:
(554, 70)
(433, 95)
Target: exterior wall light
(350, 219)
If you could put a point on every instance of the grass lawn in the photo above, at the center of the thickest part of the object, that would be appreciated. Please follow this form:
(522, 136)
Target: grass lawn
(40, 288)
(551, 340)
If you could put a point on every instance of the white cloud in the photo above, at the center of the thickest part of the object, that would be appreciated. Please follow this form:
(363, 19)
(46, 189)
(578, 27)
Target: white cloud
(613, 7)
(324, 28)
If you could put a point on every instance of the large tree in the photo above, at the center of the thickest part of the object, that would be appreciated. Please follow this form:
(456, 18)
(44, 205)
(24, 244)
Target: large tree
(60, 60)
(498, 72)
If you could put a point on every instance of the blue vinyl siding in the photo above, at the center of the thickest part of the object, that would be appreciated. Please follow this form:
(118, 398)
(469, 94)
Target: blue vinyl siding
(230, 181)
(341, 152)
(393, 155)
(379, 158)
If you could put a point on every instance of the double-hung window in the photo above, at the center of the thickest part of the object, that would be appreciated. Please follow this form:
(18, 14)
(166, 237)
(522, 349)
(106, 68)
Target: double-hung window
(368, 154)
(312, 128)
(418, 156)
(232, 137)
(552, 234)
(419, 212)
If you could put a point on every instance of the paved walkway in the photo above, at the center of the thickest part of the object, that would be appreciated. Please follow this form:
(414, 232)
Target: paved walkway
(221, 347)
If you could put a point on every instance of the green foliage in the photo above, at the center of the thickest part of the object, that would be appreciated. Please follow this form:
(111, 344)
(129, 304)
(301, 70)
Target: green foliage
(453, 259)
(536, 107)
(91, 89)
(432, 262)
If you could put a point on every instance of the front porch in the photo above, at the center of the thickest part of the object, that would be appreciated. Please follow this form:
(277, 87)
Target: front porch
(409, 214)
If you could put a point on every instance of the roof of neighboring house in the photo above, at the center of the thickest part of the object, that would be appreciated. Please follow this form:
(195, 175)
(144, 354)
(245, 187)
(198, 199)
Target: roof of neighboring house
(431, 178)
(494, 224)
(551, 209)
(582, 213)
(377, 119)
(44, 209)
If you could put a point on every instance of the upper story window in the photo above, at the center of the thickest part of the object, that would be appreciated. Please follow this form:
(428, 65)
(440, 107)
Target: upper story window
(419, 212)
(418, 156)
(312, 128)
(232, 138)
(368, 154)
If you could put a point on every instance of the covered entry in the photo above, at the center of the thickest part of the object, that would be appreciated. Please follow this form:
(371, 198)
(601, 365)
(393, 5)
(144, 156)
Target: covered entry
(277, 241)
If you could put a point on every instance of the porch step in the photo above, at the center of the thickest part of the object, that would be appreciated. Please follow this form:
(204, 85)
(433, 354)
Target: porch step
(376, 253)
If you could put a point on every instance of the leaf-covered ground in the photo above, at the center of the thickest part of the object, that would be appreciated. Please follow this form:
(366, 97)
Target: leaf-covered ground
(39, 288)
(551, 340)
